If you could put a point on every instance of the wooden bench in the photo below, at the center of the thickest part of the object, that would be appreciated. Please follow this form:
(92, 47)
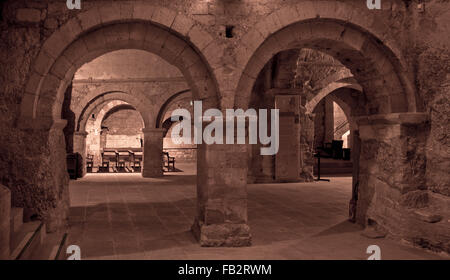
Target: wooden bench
(72, 165)
(136, 157)
(89, 162)
(108, 155)
(170, 161)
(123, 157)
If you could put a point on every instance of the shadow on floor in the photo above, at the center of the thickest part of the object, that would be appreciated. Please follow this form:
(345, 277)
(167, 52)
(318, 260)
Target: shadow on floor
(344, 227)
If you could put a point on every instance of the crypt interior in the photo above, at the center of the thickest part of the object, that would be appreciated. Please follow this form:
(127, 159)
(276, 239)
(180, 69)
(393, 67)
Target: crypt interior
(87, 156)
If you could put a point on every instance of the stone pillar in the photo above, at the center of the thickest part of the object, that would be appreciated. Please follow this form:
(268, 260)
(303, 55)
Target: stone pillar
(306, 146)
(392, 167)
(329, 120)
(5, 214)
(287, 160)
(153, 147)
(222, 195)
(45, 173)
(79, 146)
(355, 155)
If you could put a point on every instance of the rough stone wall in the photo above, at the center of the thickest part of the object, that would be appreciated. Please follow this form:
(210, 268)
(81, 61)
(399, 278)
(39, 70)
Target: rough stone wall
(181, 152)
(124, 129)
(431, 58)
(319, 125)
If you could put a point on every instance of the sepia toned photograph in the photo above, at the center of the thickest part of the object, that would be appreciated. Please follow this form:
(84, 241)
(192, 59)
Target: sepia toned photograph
(218, 130)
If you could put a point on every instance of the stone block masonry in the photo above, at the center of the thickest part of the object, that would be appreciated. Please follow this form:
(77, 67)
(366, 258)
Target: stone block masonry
(398, 56)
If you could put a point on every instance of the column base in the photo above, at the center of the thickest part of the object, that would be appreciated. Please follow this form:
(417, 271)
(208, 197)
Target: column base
(152, 173)
(222, 235)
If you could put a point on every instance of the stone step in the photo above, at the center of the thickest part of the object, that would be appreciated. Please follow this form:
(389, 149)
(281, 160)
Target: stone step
(52, 247)
(27, 238)
(16, 219)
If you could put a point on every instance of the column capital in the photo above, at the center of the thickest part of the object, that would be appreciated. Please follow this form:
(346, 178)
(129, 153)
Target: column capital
(387, 126)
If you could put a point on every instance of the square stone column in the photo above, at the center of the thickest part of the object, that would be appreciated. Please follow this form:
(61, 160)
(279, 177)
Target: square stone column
(46, 181)
(79, 146)
(222, 195)
(392, 192)
(5, 213)
(152, 154)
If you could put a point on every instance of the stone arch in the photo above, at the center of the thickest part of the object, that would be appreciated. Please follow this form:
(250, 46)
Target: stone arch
(106, 107)
(107, 28)
(92, 127)
(100, 101)
(174, 37)
(167, 103)
(341, 30)
(311, 105)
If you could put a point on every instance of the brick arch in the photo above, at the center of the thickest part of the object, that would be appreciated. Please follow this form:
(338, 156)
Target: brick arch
(167, 103)
(104, 29)
(347, 33)
(100, 100)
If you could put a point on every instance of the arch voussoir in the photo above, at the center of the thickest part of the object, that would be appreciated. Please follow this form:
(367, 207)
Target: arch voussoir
(61, 67)
(164, 16)
(182, 24)
(116, 33)
(199, 37)
(89, 19)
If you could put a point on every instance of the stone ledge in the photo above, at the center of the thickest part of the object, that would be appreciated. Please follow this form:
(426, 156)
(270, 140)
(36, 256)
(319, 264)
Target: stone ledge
(222, 235)
(394, 118)
(427, 216)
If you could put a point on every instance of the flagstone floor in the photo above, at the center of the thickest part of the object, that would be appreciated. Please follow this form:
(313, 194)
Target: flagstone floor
(125, 216)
